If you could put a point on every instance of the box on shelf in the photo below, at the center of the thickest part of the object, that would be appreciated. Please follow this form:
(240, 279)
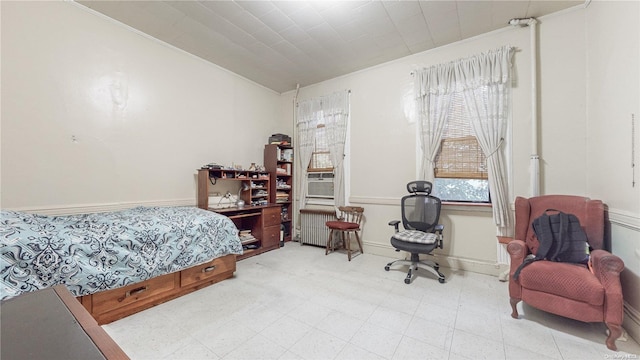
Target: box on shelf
(279, 139)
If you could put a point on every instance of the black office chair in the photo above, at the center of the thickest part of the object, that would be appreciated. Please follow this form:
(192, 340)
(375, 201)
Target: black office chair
(422, 233)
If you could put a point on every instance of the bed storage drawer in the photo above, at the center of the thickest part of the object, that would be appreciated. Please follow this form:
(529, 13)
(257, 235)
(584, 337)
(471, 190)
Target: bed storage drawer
(208, 270)
(111, 305)
(129, 295)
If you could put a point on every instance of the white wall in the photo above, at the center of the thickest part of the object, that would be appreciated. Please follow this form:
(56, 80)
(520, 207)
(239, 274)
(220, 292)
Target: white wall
(572, 138)
(589, 85)
(383, 147)
(562, 76)
(95, 114)
(612, 96)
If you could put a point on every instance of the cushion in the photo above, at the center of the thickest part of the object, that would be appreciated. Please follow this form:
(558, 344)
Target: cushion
(573, 281)
(414, 236)
(342, 225)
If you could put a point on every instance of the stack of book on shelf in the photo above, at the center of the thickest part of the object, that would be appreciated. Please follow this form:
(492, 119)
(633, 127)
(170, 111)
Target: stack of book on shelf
(281, 184)
(260, 193)
(282, 196)
(257, 202)
(245, 236)
(257, 184)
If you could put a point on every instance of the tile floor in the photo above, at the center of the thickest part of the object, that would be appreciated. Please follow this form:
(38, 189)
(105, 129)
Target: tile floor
(297, 303)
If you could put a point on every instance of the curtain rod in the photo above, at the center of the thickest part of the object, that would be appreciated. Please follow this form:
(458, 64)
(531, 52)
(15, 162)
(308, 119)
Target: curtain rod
(413, 72)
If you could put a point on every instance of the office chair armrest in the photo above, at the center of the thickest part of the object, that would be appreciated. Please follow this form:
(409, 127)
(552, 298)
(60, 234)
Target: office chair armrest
(439, 228)
(395, 224)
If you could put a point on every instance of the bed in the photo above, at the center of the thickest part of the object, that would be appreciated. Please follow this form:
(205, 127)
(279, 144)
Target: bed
(117, 263)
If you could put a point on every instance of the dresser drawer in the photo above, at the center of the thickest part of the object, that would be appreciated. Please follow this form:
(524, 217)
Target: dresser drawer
(271, 237)
(113, 299)
(207, 270)
(271, 216)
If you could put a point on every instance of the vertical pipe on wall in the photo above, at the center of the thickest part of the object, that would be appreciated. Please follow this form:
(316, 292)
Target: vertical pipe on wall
(296, 177)
(535, 158)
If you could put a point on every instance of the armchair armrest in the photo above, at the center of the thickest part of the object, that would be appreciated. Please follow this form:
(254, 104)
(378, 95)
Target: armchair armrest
(517, 250)
(605, 264)
(395, 224)
(607, 268)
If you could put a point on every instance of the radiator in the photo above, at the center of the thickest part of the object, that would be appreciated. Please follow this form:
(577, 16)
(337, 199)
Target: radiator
(313, 230)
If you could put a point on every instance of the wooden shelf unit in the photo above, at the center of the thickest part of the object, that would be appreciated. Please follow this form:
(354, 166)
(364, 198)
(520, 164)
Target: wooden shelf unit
(256, 181)
(278, 161)
(262, 221)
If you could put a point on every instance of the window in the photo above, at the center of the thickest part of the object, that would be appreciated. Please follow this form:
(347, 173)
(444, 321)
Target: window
(321, 158)
(460, 167)
(320, 170)
(324, 134)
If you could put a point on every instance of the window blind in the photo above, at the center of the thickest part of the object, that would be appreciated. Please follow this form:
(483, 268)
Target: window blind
(461, 158)
(460, 155)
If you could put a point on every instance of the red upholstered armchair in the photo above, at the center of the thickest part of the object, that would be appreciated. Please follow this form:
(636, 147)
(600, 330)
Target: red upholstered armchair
(565, 289)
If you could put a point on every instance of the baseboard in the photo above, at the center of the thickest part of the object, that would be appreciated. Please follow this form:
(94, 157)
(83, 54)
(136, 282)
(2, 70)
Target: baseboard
(631, 322)
(98, 208)
(451, 262)
(481, 267)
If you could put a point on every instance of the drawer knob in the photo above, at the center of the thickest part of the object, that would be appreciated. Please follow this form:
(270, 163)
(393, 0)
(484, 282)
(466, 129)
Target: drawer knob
(209, 269)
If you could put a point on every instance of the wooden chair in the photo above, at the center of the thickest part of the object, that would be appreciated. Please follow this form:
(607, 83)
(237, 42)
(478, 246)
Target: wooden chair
(348, 222)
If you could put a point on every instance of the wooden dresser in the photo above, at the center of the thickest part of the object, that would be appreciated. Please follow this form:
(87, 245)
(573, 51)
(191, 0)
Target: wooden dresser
(263, 221)
(51, 324)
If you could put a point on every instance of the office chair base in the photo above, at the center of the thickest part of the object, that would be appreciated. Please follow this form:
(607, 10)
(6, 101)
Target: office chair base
(432, 266)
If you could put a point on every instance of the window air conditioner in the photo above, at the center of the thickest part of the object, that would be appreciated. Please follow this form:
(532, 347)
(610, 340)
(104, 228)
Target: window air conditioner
(320, 185)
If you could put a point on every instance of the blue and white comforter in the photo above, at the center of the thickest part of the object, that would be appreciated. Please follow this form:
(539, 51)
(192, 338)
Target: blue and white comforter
(95, 252)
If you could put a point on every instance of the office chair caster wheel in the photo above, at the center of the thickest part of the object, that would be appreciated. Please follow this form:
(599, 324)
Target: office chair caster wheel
(387, 268)
(407, 281)
(436, 268)
(441, 280)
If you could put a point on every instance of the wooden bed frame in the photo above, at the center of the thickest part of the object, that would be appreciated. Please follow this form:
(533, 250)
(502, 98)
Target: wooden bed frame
(111, 305)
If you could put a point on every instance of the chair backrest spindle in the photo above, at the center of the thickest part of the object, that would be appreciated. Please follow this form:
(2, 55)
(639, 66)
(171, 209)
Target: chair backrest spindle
(351, 214)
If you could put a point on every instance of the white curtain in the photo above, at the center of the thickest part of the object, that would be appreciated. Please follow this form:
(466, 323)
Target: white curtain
(484, 80)
(486, 87)
(433, 89)
(335, 110)
(307, 114)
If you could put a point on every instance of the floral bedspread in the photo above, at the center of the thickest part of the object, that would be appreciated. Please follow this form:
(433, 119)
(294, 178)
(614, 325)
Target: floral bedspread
(94, 252)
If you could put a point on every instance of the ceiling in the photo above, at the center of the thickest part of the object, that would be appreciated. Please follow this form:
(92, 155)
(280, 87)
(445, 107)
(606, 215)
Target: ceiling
(279, 44)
